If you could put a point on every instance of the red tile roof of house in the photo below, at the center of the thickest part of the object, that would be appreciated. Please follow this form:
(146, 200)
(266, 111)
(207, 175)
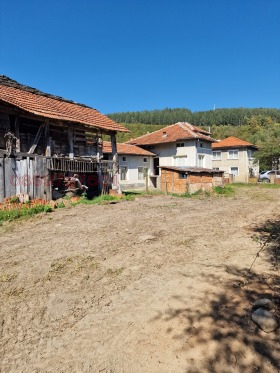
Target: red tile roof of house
(175, 132)
(53, 107)
(123, 148)
(232, 142)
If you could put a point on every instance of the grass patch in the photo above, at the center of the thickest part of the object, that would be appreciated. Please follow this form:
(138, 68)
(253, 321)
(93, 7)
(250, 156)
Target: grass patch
(114, 272)
(103, 200)
(72, 265)
(9, 215)
(6, 277)
(226, 191)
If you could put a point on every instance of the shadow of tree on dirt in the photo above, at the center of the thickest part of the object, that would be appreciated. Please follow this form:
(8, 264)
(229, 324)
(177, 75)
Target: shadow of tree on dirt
(219, 335)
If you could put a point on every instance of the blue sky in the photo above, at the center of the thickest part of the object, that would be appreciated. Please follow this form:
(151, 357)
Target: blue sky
(129, 55)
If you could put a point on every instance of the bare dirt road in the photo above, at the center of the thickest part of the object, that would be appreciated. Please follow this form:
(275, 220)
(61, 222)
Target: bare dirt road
(159, 284)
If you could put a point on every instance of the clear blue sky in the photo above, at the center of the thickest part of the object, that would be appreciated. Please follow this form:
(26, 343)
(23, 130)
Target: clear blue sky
(128, 55)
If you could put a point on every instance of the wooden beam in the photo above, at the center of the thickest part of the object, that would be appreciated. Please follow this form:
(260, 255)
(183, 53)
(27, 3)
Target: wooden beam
(71, 143)
(48, 140)
(114, 144)
(37, 138)
(17, 134)
(116, 178)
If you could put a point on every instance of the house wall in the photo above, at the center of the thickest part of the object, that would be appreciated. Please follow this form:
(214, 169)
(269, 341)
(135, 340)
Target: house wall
(188, 154)
(172, 183)
(244, 163)
(132, 163)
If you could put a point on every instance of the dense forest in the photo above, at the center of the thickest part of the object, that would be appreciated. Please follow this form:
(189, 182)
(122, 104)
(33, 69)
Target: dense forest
(235, 117)
(257, 126)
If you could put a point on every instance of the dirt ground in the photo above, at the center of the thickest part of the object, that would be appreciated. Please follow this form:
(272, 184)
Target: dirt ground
(159, 284)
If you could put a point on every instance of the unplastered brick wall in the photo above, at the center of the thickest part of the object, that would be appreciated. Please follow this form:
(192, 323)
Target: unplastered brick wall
(200, 178)
(171, 183)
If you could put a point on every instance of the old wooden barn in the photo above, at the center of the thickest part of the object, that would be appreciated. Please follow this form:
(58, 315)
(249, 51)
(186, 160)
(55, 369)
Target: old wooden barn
(44, 137)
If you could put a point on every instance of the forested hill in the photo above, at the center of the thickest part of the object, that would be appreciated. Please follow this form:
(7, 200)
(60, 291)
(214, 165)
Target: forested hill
(235, 117)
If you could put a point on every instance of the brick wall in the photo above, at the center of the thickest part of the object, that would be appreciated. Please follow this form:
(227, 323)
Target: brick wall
(171, 183)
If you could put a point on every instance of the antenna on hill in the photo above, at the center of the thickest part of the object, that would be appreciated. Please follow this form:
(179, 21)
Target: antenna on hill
(214, 107)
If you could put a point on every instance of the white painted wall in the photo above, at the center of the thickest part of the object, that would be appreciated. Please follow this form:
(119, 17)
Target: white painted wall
(132, 163)
(171, 155)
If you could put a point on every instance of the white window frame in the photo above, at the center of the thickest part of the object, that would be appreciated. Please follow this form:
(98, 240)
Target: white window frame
(232, 155)
(231, 169)
(201, 160)
(251, 154)
(143, 173)
(145, 160)
(180, 144)
(124, 159)
(216, 155)
(126, 173)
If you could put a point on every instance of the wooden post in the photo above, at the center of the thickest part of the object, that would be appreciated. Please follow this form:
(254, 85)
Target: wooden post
(17, 134)
(116, 184)
(48, 140)
(173, 182)
(165, 182)
(37, 138)
(71, 143)
(2, 179)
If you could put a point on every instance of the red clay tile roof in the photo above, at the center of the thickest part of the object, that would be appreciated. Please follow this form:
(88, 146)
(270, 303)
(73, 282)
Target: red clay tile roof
(123, 148)
(175, 132)
(232, 142)
(53, 107)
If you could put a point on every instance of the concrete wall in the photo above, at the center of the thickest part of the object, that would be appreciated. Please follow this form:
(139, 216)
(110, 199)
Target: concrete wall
(244, 163)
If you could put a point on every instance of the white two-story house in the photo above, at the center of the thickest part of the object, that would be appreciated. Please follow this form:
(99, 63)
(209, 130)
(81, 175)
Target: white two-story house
(235, 157)
(180, 144)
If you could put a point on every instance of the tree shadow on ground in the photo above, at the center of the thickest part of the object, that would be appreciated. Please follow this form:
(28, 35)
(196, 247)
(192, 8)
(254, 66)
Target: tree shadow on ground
(219, 335)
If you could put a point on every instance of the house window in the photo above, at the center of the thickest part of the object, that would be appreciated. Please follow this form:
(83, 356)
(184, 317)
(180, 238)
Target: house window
(180, 144)
(142, 173)
(123, 172)
(217, 155)
(234, 171)
(124, 159)
(201, 161)
(250, 154)
(180, 161)
(201, 145)
(145, 160)
(182, 175)
(216, 168)
(233, 154)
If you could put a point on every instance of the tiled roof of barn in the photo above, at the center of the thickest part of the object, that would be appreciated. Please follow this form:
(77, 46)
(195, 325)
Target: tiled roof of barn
(174, 132)
(49, 106)
(128, 149)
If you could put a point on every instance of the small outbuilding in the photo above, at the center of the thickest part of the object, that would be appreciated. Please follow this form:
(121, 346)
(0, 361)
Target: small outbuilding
(182, 180)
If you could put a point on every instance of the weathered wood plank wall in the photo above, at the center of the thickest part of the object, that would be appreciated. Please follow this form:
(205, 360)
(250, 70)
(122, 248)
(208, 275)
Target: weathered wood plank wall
(28, 176)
